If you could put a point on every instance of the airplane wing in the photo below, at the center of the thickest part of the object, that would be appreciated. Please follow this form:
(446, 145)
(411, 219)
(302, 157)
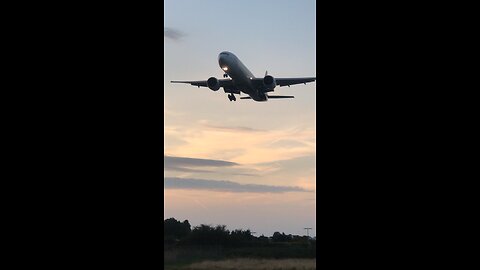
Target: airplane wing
(223, 83)
(292, 81)
(269, 97)
(228, 83)
(258, 82)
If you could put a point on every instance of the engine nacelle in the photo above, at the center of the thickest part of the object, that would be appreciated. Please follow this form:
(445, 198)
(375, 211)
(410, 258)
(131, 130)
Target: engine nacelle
(269, 82)
(213, 83)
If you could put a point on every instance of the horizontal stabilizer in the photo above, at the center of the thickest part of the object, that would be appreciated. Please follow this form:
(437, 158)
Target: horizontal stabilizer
(269, 97)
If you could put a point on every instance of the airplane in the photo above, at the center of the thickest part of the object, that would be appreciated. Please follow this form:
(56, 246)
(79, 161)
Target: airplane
(242, 80)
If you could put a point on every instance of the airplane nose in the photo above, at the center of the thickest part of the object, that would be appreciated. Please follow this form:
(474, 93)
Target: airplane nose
(221, 60)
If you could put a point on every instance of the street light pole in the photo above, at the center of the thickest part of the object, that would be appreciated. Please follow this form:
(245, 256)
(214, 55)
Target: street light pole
(307, 231)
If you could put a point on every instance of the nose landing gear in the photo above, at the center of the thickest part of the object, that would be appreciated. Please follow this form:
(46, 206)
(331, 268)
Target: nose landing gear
(225, 75)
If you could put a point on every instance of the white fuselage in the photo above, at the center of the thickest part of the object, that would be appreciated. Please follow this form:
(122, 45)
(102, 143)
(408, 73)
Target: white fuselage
(240, 75)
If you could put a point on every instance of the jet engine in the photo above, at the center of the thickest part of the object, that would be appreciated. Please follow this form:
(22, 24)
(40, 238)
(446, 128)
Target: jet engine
(213, 83)
(269, 82)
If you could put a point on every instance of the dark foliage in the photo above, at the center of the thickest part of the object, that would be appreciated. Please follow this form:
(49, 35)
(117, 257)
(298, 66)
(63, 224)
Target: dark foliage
(179, 234)
(205, 242)
(208, 235)
(241, 238)
(174, 230)
(281, 237)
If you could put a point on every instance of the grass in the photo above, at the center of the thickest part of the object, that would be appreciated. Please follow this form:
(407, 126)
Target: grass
(254, 264)
(273, 256)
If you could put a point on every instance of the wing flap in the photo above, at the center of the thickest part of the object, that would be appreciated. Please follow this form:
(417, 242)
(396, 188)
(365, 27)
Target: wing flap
(269, 97)
(292, 81)
(258, 82)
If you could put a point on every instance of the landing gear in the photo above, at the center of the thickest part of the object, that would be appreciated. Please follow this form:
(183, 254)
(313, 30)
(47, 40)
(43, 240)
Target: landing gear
(232, 97)
(225, 75)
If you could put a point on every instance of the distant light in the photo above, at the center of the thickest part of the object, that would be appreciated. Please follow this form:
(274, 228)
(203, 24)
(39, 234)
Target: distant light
(225, 68)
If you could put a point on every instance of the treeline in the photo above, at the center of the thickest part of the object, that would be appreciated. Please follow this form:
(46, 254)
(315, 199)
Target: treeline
(181, 234)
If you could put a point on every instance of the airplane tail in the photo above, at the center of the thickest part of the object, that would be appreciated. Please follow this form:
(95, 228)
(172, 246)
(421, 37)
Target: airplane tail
(266, 72)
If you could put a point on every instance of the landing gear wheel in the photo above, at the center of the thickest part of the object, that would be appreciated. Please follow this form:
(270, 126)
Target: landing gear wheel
(225, 75)
(232, 97)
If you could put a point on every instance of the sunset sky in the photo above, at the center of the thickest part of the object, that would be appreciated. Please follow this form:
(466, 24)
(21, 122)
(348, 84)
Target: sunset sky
(244, 164)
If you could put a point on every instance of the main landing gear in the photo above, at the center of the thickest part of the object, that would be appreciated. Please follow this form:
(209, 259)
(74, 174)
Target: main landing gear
(225, 75)
(232, 97)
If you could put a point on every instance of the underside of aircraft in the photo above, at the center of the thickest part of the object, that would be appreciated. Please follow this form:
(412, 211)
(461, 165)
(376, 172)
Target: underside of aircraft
(242, 80)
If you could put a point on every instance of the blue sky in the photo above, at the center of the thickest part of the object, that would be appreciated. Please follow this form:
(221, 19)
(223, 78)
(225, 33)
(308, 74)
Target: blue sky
(263, 152)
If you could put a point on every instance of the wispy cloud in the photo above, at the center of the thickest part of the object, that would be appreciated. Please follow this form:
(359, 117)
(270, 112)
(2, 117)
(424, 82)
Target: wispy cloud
(242, 144)
(172, 33)
(233, 129)
(190, 165)
(201, 165)
(214, 185)
(170, 161)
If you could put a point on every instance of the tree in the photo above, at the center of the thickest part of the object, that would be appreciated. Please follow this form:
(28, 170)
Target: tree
(175, 228)
(240, 237)
(281, 237)
(208, 235)
(262, 238)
